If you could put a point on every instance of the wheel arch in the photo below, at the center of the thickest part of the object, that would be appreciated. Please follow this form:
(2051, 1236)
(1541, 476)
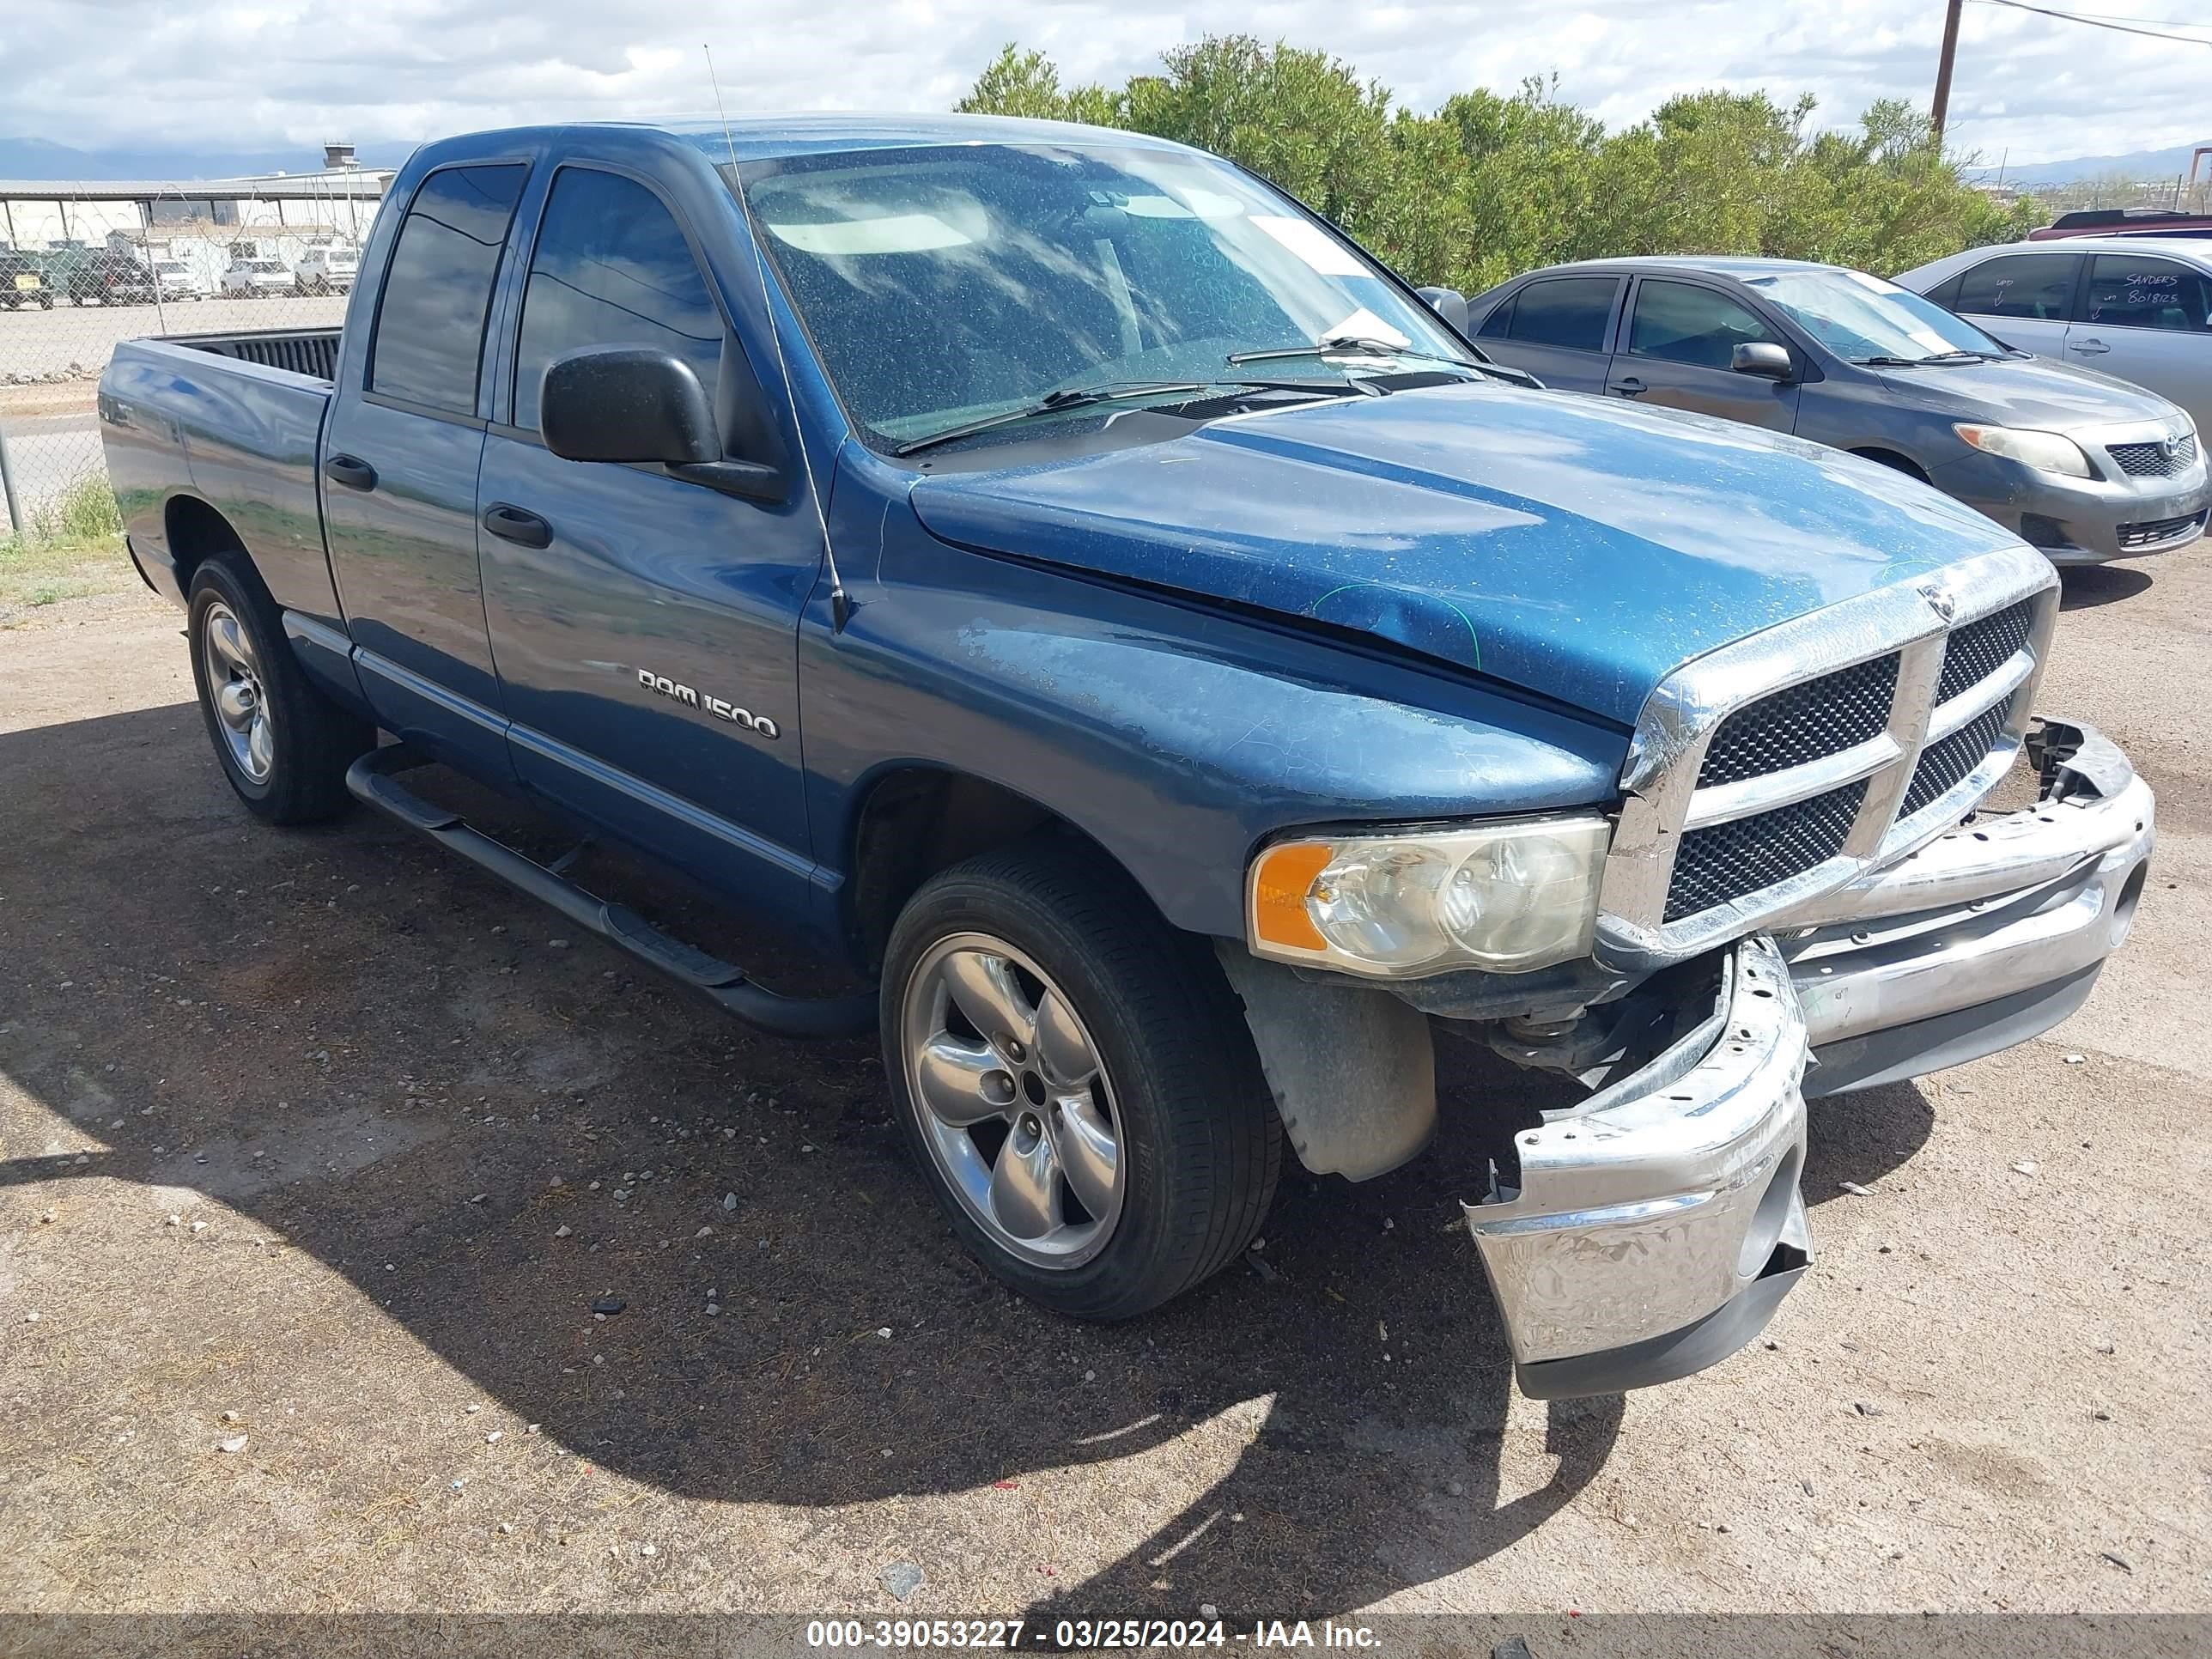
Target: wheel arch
(1897, 460)
(196, 532)
(915, 818)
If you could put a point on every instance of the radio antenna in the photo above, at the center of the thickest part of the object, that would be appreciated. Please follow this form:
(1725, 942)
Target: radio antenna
(840, 604)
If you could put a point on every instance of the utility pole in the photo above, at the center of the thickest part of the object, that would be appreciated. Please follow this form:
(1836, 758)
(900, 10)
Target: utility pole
(1943, 105)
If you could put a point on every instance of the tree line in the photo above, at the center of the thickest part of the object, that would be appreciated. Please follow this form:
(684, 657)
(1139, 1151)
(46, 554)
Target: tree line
(1490, 186)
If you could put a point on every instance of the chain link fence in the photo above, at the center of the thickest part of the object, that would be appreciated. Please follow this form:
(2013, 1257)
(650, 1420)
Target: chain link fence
(86, 265)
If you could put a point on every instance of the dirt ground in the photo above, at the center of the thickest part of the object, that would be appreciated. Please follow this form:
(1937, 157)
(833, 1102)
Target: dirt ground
(320, 1146)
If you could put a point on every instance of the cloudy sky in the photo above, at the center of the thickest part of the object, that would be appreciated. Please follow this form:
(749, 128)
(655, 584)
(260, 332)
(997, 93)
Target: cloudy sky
(104, 74)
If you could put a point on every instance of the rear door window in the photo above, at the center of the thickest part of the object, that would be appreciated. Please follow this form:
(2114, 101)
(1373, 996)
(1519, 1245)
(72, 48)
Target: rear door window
(437, 290)
(2033, 285)
(611, 269)
(1568, 311)
(1683, 323)
(2127, 292)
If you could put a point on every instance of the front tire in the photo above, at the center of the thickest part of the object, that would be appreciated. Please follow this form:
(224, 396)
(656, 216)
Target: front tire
(1076, 1082)
(282, 743)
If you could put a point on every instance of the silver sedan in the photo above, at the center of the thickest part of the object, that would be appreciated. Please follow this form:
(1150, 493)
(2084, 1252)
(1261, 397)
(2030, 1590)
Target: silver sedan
(2083, 466)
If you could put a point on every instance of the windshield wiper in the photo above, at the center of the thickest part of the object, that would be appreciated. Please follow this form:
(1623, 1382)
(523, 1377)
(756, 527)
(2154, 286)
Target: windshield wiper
(1051, 404)
(1083, 397)
(1347, 345)
(1915, 363)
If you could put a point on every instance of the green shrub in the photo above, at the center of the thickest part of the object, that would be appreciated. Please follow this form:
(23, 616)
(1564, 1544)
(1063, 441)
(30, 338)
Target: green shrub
(85, 512)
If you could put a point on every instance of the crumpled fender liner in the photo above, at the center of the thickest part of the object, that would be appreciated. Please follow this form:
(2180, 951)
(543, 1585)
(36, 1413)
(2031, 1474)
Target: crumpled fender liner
(1353, 1069)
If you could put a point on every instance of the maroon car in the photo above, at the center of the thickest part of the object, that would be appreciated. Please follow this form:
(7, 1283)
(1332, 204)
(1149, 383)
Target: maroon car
(2125, 221)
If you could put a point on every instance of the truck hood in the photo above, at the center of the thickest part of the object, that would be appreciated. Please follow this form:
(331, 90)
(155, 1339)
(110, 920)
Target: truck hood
(1578, 548)
(2029, 391)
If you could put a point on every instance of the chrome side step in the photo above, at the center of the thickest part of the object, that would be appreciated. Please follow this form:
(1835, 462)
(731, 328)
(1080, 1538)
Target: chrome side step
(372, 782)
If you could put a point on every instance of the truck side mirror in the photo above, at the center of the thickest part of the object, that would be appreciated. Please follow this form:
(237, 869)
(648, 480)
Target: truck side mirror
(627, 404)
(1448, 303)
(1762, 358)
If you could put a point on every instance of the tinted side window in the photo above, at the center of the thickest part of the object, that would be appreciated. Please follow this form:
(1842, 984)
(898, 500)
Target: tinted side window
(1682, 323)
(430, 321)
(611, 269)
(2125, 292)
(1499, 323)
(1566, 311)
(2039, 285)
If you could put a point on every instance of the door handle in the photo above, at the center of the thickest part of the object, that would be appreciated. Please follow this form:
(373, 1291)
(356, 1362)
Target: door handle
(350, 470)
(2087, 347)
(512, 524)
(1631, 387)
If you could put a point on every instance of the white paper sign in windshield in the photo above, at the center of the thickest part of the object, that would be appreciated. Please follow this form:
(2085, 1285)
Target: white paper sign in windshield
(1312, 244)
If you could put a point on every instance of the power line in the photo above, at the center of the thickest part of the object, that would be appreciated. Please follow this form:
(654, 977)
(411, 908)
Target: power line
(2097, 22)
(2154, 22)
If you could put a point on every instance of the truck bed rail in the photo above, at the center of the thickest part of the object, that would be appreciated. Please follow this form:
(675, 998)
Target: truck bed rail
(312, 352)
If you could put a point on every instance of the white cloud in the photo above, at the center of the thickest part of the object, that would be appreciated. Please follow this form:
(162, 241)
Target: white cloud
(108, 73)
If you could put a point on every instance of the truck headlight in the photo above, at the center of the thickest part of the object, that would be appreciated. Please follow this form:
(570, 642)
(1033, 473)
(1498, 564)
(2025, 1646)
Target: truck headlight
(1507, 898)
(2046, 452)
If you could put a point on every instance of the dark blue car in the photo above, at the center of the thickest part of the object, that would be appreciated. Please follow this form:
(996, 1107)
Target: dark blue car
(1051, 573)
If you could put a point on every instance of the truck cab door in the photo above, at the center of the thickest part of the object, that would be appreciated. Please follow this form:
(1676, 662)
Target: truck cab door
(399, 458)
(1676, 348)
(646, 626)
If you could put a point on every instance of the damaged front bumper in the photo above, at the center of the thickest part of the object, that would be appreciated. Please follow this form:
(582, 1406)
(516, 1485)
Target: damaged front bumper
(1656, 1226)
(1652, 1229)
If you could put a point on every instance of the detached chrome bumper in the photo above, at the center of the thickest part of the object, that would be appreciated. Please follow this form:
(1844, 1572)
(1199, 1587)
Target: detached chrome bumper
(1656, 1226)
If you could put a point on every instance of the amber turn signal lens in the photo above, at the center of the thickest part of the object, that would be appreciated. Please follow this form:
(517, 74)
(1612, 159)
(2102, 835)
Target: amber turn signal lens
(1280, 882)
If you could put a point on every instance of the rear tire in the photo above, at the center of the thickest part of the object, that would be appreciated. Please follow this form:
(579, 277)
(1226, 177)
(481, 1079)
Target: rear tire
(283, 744)
(1076, 1082)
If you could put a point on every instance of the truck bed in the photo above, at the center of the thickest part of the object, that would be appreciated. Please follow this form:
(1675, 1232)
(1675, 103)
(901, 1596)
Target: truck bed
(234, 421)
(312, 352)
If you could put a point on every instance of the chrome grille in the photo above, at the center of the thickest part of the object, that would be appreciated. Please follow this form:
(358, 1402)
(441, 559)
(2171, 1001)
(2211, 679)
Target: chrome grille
(1768, 772)
(1980, 648)
(2154, 461)
(1944, 765)
(1725, 860)
(1801, 723)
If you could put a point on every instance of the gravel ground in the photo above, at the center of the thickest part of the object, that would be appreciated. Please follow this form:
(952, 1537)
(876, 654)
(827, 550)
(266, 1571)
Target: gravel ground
(316, 1147)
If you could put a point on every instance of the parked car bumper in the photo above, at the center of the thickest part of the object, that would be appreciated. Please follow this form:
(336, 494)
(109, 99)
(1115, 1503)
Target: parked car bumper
(1655, 1229)
(2083, 521)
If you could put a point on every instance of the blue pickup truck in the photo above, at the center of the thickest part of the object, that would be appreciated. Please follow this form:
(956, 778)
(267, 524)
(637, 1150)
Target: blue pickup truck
(1054, 575)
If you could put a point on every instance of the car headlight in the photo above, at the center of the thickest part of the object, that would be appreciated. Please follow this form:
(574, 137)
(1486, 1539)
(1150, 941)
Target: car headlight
(2046, 452)
(1507, 898)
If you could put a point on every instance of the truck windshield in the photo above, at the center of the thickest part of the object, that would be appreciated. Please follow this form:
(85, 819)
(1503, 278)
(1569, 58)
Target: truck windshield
(942, 285)
(1866, 319)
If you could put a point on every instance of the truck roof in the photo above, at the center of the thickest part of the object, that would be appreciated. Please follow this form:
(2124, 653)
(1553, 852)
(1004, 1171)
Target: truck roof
(763, 137)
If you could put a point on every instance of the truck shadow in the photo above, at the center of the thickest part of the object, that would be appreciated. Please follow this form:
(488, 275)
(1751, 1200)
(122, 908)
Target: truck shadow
(381, 1057)
(2084, 587)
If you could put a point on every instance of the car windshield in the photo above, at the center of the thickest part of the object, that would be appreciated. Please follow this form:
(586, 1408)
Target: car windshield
(170, 268)
(266, 267)
(942, 285)
(1861, 317)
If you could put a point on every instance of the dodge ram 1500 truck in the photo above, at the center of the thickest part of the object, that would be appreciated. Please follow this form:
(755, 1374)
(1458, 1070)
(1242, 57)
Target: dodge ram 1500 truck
(1054, 573)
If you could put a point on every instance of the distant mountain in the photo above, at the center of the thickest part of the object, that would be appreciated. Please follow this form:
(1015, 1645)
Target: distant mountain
(2139, 166)
(40, 158)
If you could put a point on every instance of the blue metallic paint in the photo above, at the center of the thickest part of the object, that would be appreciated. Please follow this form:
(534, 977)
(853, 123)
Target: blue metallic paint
(1579, 548)
(1180, 737)
(246, 437)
